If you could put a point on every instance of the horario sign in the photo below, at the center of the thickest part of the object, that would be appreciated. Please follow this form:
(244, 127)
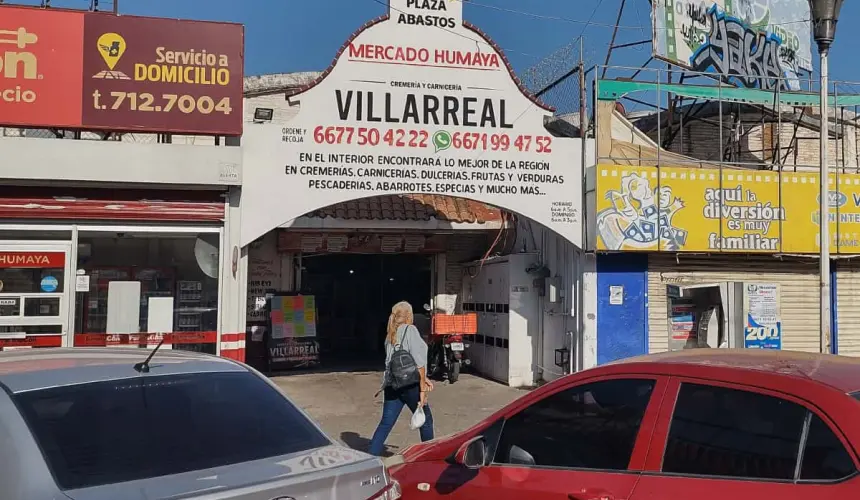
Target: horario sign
(418, 101)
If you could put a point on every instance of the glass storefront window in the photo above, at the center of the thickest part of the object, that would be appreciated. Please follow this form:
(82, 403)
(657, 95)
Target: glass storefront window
(181, 267)
(41, 306)
(32, 329)
(31, 280)
(35, 233)
(33, 298)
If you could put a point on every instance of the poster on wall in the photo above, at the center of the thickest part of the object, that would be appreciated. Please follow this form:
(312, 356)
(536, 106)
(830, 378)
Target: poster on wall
(264, 275)
(293, 316)
(418, 101)
(292, 332)
(763, 328)
(682, 325)
(753, 42)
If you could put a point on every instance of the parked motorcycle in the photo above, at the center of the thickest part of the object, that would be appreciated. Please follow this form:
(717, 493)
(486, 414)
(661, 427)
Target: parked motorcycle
(448, 343)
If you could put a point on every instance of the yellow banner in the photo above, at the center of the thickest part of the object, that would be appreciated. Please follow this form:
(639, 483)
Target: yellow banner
(744, 211)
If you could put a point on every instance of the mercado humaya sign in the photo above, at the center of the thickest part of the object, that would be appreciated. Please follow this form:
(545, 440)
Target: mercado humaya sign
(674, 209)
(418, 101)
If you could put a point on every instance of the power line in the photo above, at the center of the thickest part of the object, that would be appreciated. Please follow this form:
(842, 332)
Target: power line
(533, 103)
(590, 21)
(591, 18)
(545, 16)
(581, 34)
(639, 18)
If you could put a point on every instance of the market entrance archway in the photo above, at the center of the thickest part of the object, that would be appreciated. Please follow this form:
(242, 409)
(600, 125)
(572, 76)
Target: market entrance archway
(407, 107)
(350, 262)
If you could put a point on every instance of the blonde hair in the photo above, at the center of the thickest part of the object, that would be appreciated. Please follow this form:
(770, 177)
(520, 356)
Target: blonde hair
(401, 314)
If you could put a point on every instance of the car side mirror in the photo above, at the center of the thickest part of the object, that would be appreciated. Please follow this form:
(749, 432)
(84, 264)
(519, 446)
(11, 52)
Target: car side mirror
(472, 454)
(519, 456)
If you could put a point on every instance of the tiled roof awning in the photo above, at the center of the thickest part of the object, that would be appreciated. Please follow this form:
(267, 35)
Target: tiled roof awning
(415, 207)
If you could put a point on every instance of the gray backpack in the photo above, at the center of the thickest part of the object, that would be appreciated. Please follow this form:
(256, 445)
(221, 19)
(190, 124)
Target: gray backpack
(402, 369)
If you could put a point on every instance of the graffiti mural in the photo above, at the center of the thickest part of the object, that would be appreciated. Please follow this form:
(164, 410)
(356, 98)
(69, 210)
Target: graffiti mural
(749, 58)
(753, 30)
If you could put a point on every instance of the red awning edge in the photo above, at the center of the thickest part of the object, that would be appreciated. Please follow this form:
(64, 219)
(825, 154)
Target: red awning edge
(59, 208)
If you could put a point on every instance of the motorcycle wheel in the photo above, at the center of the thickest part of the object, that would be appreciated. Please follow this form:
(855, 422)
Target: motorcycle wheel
(454, 372)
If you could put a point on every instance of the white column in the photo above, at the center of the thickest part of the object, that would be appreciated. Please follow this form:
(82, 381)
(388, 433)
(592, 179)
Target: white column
(234, 276)
(588, 321)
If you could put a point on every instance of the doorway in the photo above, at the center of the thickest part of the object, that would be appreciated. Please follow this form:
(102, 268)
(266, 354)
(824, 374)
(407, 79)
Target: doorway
(354, 294)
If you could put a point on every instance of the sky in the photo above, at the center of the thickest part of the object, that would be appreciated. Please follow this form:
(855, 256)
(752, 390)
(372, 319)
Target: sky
(304, 35)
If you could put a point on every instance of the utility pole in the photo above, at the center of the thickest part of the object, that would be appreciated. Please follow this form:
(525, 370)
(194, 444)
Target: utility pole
(825, 14)
(583, 132)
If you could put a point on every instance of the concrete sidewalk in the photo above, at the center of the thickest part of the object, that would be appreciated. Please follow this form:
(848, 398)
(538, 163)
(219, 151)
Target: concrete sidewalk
(344, 405)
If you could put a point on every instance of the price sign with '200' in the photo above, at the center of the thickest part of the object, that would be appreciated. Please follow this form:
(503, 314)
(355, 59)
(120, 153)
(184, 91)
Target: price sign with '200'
(763, 328)
(760, 334)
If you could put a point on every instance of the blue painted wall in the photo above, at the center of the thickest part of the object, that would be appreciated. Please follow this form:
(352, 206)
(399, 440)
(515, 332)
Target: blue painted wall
(622, 330)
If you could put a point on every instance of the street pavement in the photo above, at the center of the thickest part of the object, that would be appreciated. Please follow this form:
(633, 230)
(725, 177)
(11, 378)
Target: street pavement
(343, 404)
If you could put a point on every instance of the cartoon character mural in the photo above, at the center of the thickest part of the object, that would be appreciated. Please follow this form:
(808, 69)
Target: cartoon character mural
(641, 217)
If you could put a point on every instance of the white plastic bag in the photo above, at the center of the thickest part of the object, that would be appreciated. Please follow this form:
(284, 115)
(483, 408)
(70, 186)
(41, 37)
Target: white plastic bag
(418, 419)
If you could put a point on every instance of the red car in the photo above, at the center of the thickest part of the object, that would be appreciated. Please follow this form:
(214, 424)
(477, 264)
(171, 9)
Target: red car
(709, 424)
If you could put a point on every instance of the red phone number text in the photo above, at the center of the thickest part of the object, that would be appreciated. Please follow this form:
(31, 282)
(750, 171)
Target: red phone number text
(400, 138)
(363, 136)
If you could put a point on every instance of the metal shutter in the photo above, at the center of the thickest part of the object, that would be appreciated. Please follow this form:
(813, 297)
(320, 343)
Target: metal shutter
(848, 306)
(799, 299)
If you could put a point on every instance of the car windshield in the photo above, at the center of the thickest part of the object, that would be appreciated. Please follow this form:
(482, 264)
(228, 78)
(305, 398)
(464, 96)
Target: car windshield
(110, 432)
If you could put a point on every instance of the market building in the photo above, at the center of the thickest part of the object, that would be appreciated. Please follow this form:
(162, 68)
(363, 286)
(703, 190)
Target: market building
(118, 215)
(152, 210)
(418, 168)
(705, 225)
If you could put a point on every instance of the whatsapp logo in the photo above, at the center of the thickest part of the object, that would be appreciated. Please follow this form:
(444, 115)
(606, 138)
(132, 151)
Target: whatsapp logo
(441, 141)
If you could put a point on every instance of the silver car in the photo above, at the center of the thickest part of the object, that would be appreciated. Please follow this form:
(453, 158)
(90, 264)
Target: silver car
(108, 424)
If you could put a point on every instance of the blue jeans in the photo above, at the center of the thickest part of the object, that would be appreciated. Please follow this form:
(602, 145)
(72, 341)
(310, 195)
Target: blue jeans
(391, 408)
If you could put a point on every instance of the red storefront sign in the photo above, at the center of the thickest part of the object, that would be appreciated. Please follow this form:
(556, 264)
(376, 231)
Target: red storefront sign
(40, 77)
(100, 71)
(142, 73)
(33, 341)
(48, 260)
(143, 339)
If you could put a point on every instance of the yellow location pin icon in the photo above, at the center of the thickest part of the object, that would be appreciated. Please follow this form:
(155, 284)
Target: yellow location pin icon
(111, 47)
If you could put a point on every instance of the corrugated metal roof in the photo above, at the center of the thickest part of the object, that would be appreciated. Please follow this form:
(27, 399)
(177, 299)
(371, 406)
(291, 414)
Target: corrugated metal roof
(277, 82)
(413, 207)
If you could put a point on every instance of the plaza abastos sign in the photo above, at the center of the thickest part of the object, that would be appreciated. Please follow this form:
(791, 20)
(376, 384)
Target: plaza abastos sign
(416, 102)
